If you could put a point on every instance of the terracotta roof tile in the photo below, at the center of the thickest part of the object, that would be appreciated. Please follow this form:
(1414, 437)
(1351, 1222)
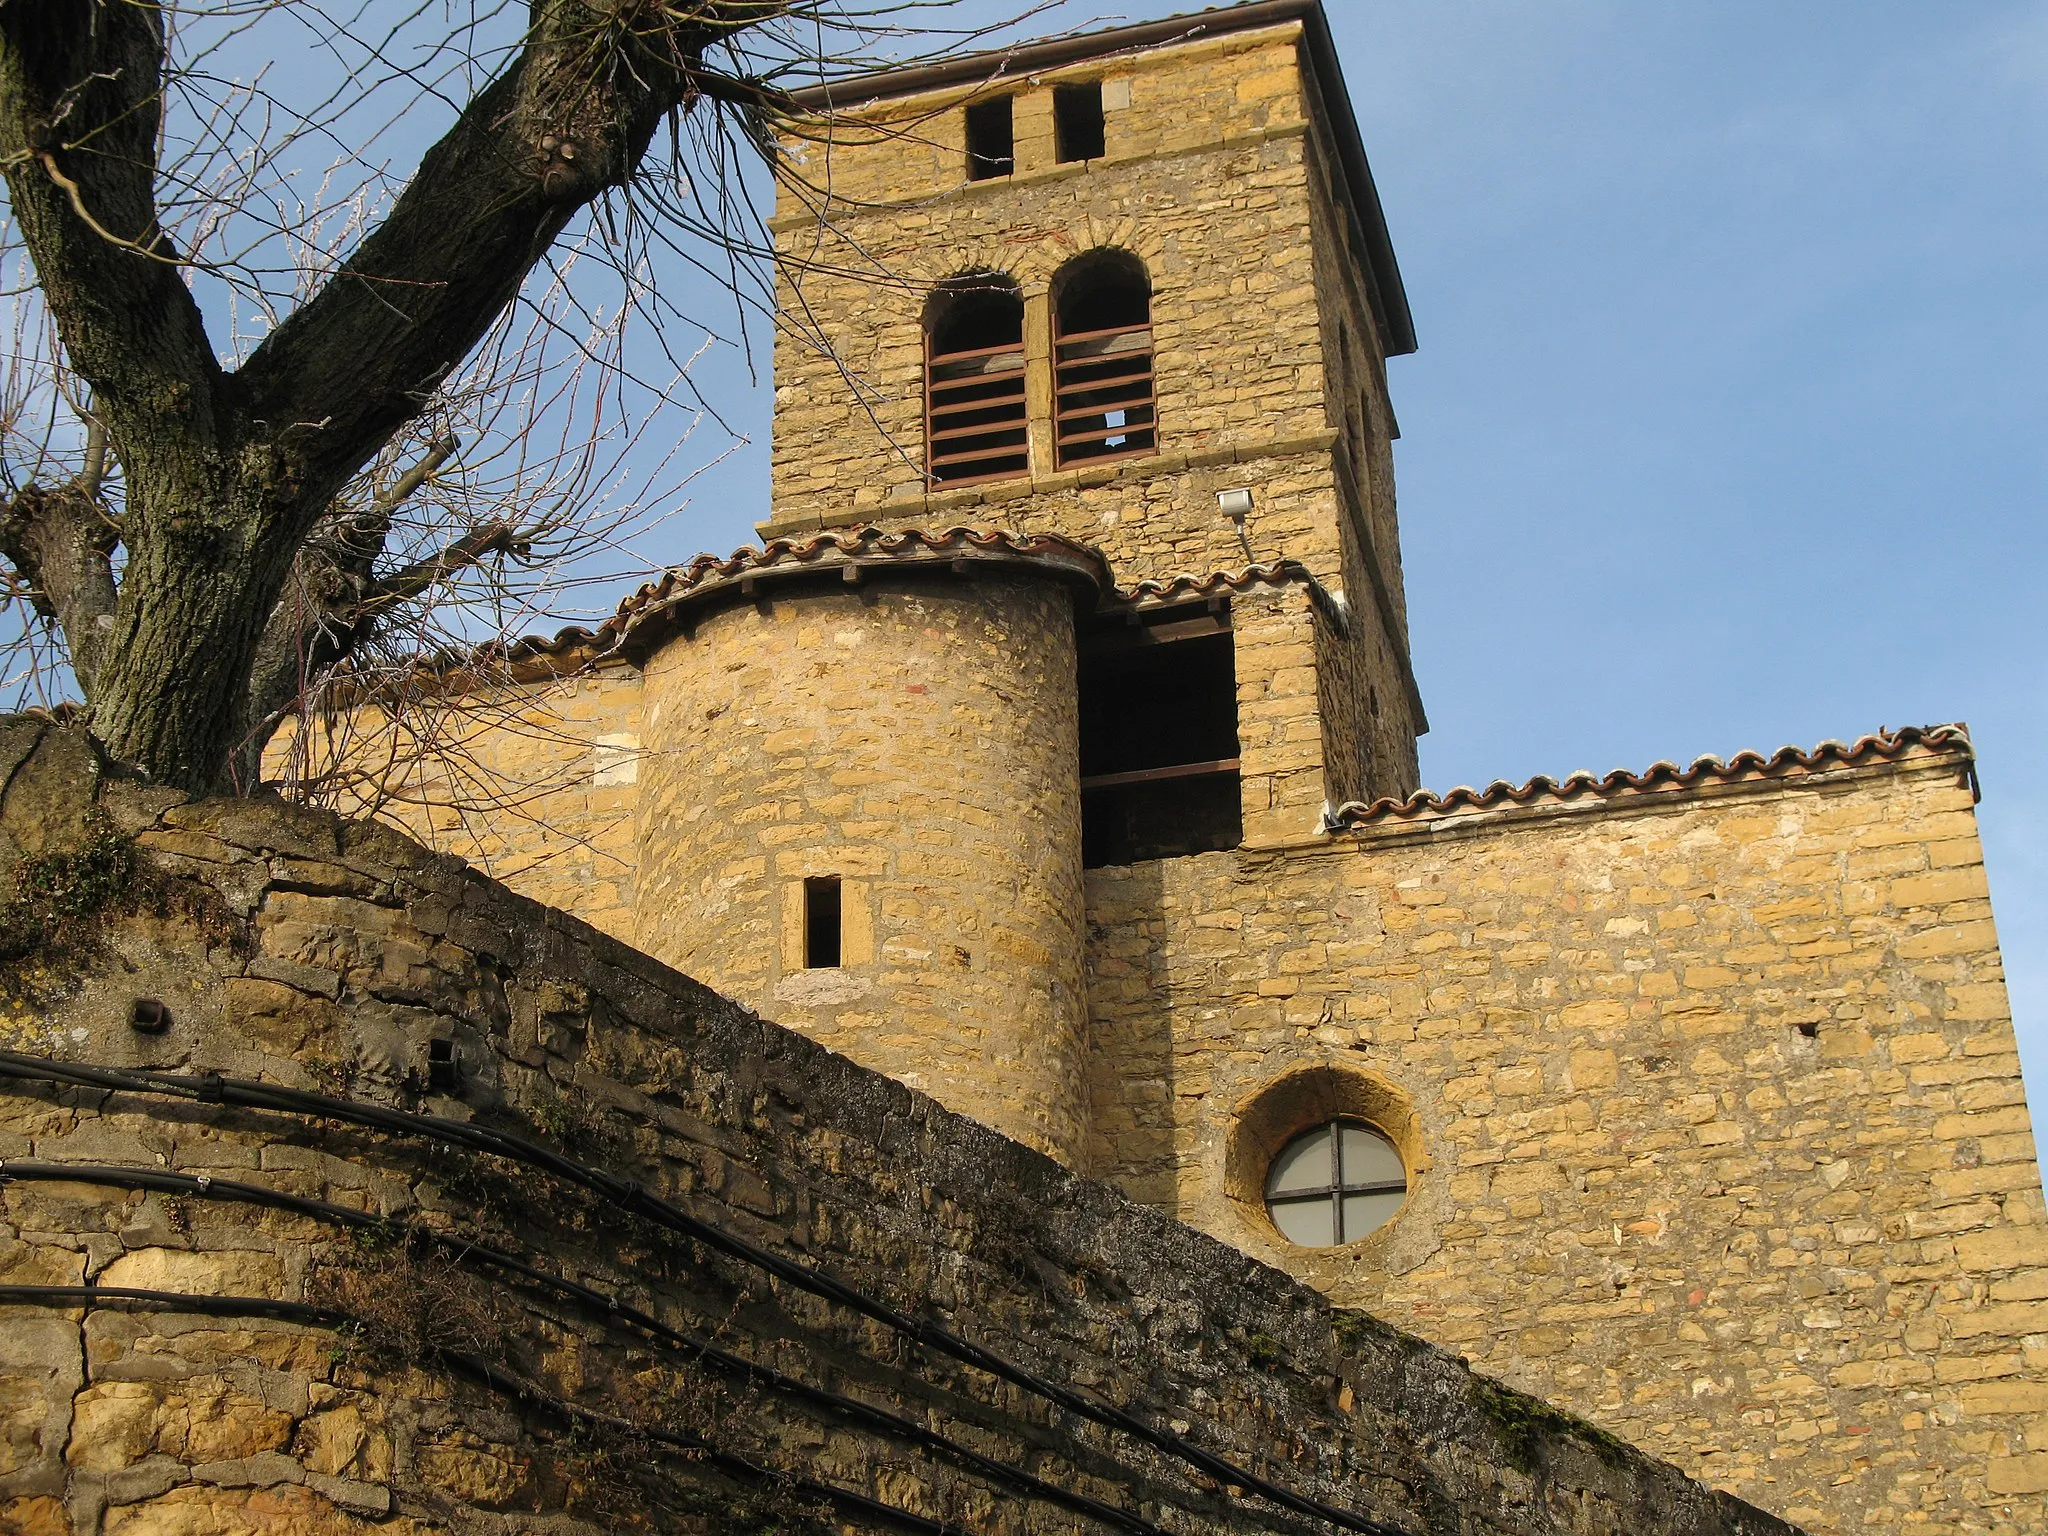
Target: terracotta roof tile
(1174, 589)
(640, 621)
(1786, 762)
(645, 616)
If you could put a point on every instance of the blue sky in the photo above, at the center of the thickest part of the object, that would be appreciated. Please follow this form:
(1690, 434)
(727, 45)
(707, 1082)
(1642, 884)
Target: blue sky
(1726, 429)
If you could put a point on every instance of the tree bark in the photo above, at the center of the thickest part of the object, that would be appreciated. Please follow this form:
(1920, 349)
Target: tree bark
(228, 474)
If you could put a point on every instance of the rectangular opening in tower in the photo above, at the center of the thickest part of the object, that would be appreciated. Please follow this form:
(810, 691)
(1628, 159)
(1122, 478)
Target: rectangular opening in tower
(991, 139)
(821, 922)
(1159, 751)
(1077, 121)
(976, 423)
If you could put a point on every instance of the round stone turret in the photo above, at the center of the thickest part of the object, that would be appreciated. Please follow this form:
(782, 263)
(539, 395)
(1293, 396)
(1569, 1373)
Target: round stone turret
(860, 808)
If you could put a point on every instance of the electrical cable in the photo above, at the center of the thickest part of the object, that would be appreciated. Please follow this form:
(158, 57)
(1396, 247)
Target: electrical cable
(609, 1307)
(493, 1376)
(629, 1194)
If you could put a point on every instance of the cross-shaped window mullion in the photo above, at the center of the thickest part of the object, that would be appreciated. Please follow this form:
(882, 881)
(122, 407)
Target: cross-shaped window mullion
(1364, 1189)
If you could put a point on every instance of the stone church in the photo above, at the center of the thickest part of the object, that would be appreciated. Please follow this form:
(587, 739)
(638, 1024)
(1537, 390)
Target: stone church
(1054, 753)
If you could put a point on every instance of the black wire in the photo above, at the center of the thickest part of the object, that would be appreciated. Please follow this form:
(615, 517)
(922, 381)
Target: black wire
(210, 1306)
(495, 1377)
(213, 1088)
(504, 1381)
(609, 1307)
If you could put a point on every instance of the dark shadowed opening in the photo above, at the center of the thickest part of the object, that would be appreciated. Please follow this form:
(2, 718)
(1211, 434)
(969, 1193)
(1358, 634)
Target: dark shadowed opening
(974, 380)
(991, 141)
(1102, 345)
(1077, 121)
(443, 1075)
(821, 922)
(1159, 752)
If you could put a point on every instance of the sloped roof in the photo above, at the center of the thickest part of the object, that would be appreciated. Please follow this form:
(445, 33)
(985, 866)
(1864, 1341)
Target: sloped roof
(1186, 586)
(1786, 762)
(649, 615)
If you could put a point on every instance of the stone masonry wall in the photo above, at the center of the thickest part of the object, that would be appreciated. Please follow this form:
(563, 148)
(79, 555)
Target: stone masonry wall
(534, 783)
(1269, 374)
(1357, 402)
(918, 740)
(1714, 1120)
(1372, 703)
(1281, 729)
(604, 1371)
(1203, 180)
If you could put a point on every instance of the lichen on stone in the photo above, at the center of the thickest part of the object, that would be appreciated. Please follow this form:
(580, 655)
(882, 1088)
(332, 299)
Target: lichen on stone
(56, 893)
(1529, 1425)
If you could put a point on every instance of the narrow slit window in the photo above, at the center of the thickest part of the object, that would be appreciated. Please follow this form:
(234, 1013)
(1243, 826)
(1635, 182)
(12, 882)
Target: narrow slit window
(1103, 394)
(975, 426)
(1077, 121)
(991, 140)
(442, 1073)
(821, 922)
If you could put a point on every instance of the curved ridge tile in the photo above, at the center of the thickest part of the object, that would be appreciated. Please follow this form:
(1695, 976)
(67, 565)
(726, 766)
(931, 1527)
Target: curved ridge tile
(1659, 775)
(577, 646)
(1191, 584)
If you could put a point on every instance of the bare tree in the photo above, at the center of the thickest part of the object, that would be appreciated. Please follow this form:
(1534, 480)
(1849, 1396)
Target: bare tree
(258, 422)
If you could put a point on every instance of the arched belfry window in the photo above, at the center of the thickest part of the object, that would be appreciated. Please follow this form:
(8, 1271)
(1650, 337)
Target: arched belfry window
(974, 427)
(1102, 359)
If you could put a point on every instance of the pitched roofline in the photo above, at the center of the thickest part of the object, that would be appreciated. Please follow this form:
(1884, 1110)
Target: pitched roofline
(1383, 273)
(1425, 807)
(648, 616)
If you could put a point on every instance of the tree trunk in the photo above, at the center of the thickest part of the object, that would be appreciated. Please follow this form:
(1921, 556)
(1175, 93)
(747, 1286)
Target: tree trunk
(228, 474)
(198, 591)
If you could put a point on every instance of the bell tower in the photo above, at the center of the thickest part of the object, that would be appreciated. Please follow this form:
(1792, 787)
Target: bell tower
(1133, 288)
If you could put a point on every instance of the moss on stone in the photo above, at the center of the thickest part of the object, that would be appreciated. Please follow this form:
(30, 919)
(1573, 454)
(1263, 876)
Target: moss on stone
(1360, 1330)
(1526, 1423)
(1264, 1351)
(55, 894)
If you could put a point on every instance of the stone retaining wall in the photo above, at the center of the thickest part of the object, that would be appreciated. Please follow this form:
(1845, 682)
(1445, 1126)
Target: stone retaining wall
(307, 953)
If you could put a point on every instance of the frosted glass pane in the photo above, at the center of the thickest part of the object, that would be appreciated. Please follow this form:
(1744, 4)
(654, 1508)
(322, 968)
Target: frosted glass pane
(1369, 1158)
(1362, 1213)
(1303, 1164)
(1305, 1223)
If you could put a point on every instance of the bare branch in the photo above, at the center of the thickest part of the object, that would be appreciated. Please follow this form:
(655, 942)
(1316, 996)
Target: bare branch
(209, 529)
(570, 119)
(58, 541)
(93, 476)
(498, 538)
(80, 105)
(403, 487)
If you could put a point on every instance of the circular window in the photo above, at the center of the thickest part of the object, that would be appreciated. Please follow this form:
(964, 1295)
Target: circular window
(1335, 1183)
